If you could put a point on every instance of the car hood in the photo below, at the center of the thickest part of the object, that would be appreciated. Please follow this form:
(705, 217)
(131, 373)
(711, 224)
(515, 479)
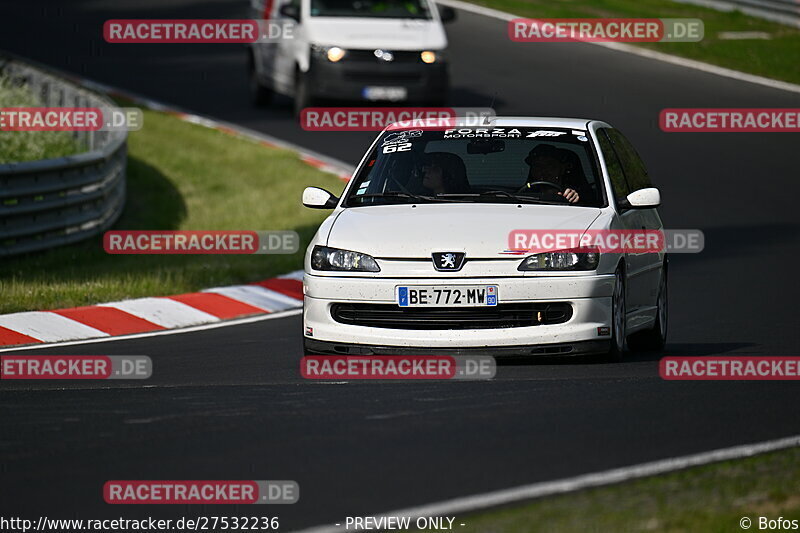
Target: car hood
(373, 33)
(403, 231)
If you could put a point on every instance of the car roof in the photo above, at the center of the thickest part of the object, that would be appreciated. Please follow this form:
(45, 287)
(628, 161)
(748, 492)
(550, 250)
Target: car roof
(547, 122)
(507, 122)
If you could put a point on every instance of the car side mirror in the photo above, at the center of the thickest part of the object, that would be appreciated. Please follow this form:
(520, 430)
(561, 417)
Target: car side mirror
(648, 198)
(447, 14)
(317, 198)
(290, 11)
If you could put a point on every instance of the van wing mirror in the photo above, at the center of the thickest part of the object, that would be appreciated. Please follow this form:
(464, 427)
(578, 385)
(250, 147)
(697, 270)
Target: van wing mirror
(447, 14)
(317, 198)
(648, 198)
(290, 11)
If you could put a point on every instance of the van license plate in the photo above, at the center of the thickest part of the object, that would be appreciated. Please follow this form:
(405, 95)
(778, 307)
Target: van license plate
(393, 94)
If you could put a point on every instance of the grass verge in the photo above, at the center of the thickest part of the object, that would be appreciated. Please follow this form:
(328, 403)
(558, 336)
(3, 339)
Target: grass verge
(777, 57)
(180, 177)
(19, 146)
(711, 498)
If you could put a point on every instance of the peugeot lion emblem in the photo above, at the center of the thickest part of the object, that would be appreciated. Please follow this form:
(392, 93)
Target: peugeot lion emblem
(448, 261)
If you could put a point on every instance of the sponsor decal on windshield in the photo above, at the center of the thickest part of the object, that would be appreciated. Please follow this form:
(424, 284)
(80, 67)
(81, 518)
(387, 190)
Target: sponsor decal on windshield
(545, 133)
(400, 137)
(468, 133)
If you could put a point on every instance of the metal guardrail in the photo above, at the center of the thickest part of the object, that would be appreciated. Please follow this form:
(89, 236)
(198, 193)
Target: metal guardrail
(53, 202)
(781, 11)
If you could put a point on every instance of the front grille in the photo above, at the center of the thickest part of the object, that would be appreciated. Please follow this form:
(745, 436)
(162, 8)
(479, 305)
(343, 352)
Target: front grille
(377, 76)
(400, 56)
(496, 317)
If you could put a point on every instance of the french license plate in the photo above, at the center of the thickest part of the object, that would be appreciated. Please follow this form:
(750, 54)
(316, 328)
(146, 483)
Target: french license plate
(447, 296)
(393, 94)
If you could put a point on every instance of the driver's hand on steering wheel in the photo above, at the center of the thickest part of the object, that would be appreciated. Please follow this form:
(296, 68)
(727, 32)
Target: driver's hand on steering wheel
(570, 195)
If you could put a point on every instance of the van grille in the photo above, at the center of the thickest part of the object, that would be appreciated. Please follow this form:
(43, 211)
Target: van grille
(377, 76)
(400, 56)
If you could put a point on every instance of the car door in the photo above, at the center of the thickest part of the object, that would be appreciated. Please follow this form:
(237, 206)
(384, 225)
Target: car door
(627, 219)
(276, 58)
(286, 50)
(264, 52)
(645, 271)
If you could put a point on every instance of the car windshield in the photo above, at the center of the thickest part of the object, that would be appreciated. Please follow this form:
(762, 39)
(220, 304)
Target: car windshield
(414, 9)
(481, 165)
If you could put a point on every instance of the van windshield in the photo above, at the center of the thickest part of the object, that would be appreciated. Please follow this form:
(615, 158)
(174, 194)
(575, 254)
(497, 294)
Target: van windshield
(482, 165)
(406, 9)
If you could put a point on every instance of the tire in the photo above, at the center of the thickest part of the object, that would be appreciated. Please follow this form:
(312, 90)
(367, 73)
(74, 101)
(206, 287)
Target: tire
(302, 96)
(655, 338)
(260, 95)
(616, 351)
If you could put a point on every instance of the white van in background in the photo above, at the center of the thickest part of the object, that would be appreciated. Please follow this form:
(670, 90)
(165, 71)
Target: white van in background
(353, 50)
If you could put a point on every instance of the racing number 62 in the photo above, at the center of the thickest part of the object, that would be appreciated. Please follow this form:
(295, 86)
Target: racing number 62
(405, 147)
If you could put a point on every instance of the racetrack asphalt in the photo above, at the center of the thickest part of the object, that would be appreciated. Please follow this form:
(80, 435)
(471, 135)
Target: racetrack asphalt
(228, 403)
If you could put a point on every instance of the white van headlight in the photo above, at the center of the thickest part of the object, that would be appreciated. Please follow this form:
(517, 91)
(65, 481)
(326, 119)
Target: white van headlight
(324, 258)
(566, 260)
(334, 54)
(431, 56)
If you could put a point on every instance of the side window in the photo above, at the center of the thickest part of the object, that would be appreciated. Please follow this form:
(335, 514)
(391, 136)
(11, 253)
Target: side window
(614, 166)
(632, 164)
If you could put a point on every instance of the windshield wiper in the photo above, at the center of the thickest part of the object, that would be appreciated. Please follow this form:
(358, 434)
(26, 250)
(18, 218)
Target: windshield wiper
(506, 194)
(397, 194)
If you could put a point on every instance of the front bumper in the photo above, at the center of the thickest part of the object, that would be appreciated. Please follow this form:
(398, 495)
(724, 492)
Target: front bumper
(544, 350)
(346, 80)
(589, 296)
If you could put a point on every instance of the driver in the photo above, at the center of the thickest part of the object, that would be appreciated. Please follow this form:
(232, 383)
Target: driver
(444, 173)
(547, 164)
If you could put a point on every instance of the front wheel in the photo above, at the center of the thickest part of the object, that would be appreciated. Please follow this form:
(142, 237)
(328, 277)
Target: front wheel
(617, 349)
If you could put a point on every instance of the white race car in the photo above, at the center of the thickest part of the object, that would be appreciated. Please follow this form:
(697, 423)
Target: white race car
(418, 256)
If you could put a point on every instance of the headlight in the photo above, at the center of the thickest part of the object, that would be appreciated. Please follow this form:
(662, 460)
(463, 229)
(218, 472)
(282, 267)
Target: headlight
(566, 260)
(333, 54)
(324, 258)
(428, 57)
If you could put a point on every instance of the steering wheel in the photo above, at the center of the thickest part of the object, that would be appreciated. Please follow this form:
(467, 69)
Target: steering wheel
(545, 183)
